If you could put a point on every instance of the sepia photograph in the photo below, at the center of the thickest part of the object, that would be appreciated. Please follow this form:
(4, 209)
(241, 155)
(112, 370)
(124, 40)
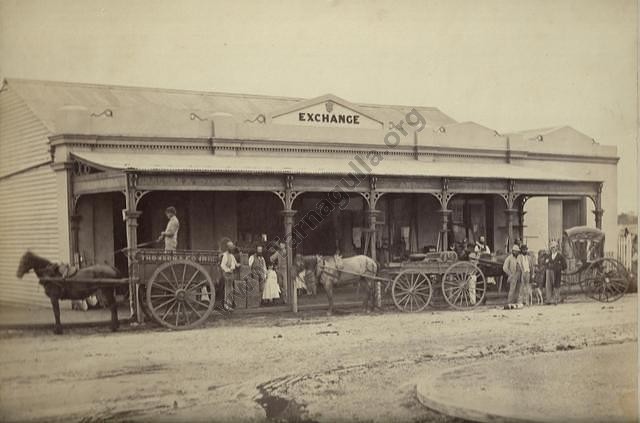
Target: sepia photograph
(319, 211)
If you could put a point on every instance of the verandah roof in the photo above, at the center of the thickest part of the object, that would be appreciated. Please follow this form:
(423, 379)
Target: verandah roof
(191, 163)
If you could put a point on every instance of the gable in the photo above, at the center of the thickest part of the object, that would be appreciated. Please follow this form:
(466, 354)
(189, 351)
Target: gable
(326, 111)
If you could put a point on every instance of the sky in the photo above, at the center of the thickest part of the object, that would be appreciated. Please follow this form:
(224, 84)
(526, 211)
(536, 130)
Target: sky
(507, 64)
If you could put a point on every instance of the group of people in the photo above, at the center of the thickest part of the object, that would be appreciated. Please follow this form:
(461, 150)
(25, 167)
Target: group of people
(270, 273)
(520, 269)
(467, 250)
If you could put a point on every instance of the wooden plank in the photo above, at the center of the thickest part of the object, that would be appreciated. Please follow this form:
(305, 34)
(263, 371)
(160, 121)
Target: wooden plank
(96, 281)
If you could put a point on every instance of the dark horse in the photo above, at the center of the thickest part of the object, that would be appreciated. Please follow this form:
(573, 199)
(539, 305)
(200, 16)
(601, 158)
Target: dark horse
(69, 290)
(332, 270)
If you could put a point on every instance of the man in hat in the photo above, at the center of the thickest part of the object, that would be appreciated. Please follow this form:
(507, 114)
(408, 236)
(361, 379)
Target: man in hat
(554, 264)
(512, 270)
(525, 266)
(228, 264)
(170, 234)
(258, 267)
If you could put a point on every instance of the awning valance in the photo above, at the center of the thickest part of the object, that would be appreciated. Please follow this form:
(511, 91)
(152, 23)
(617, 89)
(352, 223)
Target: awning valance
(271, 165)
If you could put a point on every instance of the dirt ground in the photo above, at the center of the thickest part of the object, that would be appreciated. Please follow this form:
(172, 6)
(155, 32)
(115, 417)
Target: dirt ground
(309, 367)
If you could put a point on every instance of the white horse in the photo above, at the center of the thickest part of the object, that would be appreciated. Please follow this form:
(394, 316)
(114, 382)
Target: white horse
(334, 270)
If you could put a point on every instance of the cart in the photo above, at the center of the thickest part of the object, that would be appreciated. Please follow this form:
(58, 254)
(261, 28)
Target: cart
(463, 283)
(602, 278)
(177, 288)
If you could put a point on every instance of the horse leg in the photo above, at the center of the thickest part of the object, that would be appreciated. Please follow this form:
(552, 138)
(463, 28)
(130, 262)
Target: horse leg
(372, 294)
(328, 286)
(55, 304)
(367, 289)
(111, 300)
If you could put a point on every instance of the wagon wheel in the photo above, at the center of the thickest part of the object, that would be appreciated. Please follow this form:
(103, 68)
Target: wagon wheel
(464, 285)
(605, 280)
(180, 294)
(411, 290)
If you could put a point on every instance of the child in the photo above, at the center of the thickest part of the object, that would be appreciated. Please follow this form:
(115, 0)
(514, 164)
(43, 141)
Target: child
(271, 289)
(300, 282)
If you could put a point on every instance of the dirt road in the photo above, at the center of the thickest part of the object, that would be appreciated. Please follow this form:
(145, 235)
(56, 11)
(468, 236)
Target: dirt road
(305, 368)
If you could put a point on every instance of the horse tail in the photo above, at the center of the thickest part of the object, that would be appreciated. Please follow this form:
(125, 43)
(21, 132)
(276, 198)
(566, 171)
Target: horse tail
(376, 265)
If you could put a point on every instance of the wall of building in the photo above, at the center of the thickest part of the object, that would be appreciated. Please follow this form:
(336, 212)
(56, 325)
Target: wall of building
(555, 218)
(225, 214)
(201, 216)
(606, 171)
(536, 222)
(29, 200)
(428, 220)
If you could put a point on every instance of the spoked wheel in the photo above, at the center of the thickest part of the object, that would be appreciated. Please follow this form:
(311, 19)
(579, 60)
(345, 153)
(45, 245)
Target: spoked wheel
(464, 285)
(411, 291)
(605, 280)
(180, 294)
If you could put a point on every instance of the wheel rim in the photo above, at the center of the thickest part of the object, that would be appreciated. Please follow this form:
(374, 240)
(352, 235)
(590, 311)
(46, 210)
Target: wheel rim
(464, 285)
(605, 280)
(180, 294)
(411, 291)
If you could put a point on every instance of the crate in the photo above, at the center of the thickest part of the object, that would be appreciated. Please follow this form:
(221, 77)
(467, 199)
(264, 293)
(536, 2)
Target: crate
(254, 293)
(240, 293)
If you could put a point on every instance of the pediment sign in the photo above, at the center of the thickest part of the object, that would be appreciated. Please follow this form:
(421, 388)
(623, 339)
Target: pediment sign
(328, 112)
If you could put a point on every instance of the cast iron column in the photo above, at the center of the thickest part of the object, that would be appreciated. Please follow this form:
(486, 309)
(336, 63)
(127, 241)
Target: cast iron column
(131, 216)
(598, 212)
(74, 225)
(372, 217)
(521, 214)
(444, 220)
(289, 286)
(444, 197)
(511, 213)
(132, 242)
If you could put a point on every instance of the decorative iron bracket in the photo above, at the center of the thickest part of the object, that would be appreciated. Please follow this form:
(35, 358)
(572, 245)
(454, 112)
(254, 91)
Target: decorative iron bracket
(288, 196)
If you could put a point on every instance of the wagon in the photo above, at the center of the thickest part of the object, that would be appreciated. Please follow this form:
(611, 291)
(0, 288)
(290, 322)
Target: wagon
(463, 283)
(177, 288)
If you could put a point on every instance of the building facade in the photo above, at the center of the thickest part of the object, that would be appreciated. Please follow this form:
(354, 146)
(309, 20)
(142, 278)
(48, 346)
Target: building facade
(88, 169)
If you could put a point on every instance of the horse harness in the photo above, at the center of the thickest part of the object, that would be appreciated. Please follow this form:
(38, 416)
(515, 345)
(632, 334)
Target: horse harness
(65, 271)
(322, 264)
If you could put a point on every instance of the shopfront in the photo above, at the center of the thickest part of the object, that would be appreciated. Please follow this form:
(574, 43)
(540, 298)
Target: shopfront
(385, 181)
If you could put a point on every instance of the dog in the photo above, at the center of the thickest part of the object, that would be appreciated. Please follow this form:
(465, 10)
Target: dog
(534, 294)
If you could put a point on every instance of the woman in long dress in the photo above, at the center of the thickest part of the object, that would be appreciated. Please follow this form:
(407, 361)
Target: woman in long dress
(271, 289)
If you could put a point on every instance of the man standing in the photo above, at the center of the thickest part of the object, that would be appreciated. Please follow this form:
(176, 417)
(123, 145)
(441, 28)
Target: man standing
(525, 266)
(228, 264)
(554, 264)
(170, 234)
(511, 268)
(258, 267)
(279, 258)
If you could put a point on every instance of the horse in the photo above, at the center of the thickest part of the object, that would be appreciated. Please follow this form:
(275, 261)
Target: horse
(334, 270)
(68, 289)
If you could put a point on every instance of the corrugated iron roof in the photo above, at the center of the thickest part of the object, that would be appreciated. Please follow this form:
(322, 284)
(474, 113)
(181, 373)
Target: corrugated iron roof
(192, 163)
(165, 112)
